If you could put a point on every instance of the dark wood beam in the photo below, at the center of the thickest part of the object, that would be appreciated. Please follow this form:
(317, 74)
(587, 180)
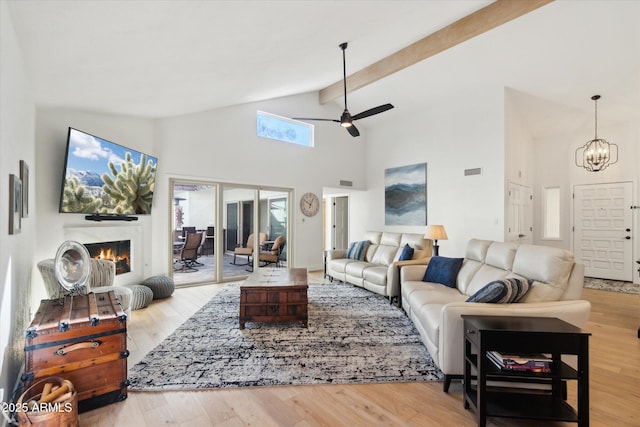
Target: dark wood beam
(480, 21)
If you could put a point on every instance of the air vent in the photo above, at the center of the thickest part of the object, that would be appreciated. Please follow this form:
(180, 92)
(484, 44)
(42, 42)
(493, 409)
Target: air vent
(344, 183)
(475, 171)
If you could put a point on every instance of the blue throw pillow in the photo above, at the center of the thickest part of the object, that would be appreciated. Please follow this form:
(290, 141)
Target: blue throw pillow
(357, 250)
(443, 270)
(406, 254)
(502, 291)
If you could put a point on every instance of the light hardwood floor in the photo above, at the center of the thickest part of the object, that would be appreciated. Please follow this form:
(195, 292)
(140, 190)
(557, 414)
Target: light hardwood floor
(614, 385)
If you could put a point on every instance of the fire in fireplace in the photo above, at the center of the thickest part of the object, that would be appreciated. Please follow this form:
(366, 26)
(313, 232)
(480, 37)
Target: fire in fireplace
(118, 251)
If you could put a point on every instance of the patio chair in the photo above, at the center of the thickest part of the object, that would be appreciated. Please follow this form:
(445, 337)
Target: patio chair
(248, 248)
(189, 253)
(273, 256)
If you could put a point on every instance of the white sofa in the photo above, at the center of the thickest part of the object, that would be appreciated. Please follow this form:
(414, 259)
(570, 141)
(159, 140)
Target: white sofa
(379, 271)
(436, 309)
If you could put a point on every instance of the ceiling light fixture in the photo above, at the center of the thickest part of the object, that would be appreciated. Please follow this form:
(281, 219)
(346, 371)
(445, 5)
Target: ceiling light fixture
(596, 154)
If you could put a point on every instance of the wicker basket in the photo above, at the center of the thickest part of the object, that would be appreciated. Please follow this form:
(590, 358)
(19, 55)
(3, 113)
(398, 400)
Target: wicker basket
(60, 412)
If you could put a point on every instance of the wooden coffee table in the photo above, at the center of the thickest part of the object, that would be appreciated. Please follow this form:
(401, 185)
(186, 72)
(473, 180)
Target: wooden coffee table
(274, 295)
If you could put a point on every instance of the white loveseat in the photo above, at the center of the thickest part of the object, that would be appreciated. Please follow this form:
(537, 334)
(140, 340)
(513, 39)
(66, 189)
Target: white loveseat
(379, 271)
(436, 309)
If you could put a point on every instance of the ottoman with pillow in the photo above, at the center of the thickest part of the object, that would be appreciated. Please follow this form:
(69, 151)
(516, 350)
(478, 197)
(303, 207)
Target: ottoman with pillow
(141, 296)
(161, 286)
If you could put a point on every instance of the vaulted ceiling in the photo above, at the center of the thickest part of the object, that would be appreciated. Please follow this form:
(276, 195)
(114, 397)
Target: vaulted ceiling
(163, 58)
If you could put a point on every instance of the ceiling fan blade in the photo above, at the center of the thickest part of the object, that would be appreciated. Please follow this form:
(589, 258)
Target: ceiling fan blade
(322, 120)
(376, 110)
(353, 130)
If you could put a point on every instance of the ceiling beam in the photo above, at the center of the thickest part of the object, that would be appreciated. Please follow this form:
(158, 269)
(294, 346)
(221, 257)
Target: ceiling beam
(480, 21)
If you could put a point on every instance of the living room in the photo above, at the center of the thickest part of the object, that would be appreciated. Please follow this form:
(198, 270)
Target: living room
(506, 124)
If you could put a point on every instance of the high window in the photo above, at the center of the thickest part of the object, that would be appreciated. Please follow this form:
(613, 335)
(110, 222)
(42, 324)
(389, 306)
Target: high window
(551, 212)
(283, 129)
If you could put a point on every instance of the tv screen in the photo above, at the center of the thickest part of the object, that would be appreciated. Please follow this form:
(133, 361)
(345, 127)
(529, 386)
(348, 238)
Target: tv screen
(101, 177)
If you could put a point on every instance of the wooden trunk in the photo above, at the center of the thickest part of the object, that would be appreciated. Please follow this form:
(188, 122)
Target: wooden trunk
(275, 295)
(82, 339)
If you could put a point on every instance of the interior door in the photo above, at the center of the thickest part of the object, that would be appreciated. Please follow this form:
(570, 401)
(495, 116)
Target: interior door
(602, 221)
(520, 214)
(340, 218)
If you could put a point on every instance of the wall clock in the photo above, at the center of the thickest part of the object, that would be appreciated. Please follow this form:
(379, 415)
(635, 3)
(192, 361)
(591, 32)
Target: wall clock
(309, 204)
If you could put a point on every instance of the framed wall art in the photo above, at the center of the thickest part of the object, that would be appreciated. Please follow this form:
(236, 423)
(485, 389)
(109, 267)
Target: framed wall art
(405, 195)
(24, 177)
(15, 204)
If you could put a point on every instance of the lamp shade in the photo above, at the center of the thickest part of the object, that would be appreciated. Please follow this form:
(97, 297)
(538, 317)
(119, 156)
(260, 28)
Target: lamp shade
(435, 232)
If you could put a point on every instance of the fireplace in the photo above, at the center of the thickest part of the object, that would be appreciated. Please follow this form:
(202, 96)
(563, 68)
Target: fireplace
(118, 251)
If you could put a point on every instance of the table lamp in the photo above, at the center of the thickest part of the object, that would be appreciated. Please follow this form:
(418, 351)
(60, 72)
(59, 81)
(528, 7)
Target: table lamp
(435, 233)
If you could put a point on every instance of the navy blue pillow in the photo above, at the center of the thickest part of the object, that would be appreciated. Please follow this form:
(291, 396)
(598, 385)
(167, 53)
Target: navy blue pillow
(443, 270)
(357, 250)
(502, 291)
(406, 254)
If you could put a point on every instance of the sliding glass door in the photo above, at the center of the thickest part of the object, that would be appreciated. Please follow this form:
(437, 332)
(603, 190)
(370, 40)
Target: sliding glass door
(237, 222)
(193, 208)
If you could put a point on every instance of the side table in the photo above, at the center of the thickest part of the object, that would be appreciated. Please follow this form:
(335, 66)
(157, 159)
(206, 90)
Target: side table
(524, 335)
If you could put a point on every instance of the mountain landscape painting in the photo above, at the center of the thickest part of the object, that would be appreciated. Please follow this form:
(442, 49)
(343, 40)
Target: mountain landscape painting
(405, 195)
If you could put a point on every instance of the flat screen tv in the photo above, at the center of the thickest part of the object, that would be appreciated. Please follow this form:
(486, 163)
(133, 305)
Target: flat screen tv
(104, 178)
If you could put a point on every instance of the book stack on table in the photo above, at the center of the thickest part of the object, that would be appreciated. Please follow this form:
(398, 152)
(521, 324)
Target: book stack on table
(520, 362)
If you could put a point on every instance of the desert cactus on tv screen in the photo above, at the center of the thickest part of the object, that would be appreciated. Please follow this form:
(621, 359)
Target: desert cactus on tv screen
(131, 188)
(75, 198)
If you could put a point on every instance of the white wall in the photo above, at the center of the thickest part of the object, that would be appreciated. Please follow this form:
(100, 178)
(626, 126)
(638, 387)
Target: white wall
(218, 145)
(54, 228)
(221, 145)
(451, 138)
(17, 134)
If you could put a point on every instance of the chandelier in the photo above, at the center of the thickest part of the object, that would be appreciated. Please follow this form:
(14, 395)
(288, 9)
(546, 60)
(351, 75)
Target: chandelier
(596, 154)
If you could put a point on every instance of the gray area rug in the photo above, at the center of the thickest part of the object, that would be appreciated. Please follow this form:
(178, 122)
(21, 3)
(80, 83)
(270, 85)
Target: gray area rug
(354, 336)
(612, 285)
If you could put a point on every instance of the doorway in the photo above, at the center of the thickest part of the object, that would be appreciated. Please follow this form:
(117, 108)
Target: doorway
(603, 234)
(520, 214)
(340, 222)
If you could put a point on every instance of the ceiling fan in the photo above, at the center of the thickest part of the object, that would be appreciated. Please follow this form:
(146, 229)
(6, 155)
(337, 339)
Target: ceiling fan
(346, 119)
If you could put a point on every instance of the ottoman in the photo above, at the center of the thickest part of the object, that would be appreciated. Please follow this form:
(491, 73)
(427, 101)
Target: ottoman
(161, 286)
(141, 297)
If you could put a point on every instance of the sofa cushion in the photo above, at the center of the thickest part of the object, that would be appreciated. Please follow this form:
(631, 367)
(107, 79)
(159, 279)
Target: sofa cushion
(373, 237)
(443, 270)
(340, 265)
(501, 254)
(384, 255)
(376, 274)
(477, 249)
(550, 269)
(544, 264)
(485, 274)
(501, 291)
(416, 241)
(390, 239)
(466, 273)
(356, 268)
(357, 250)
(406, 253)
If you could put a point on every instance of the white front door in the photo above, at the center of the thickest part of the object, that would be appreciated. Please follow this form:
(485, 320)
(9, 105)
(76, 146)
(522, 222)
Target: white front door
(520, 215)
(602, 238)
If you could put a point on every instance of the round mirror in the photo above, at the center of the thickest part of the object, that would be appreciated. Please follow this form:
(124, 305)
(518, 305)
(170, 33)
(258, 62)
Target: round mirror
(72, 265)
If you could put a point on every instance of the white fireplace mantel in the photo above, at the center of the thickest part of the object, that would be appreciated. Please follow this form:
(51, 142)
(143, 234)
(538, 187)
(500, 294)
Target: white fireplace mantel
(100, 233)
